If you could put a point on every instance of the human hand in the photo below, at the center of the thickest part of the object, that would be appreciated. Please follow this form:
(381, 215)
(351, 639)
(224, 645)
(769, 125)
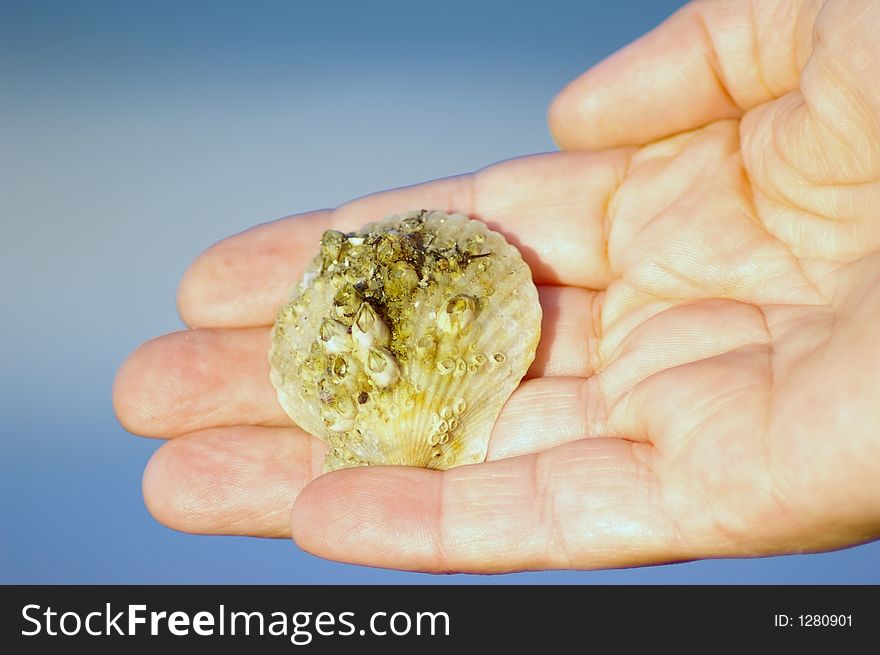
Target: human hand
(708, 375)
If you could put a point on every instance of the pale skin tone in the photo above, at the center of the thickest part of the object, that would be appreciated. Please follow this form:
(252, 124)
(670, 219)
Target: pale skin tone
(707, 251)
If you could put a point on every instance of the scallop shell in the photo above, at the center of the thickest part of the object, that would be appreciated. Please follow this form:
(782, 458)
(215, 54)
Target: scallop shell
(402, 341)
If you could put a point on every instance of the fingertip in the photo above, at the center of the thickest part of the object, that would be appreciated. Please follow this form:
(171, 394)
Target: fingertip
(561, 118)
(189, 483)
(205, 292)
(603, 108)
(329, 517)
(665, 82)
(306, 525)
(189, 292)
(130, 396)
(242, 280)
(119, 394)
(589, 113)
(376, 516)
(157, 486)
(236, 480)
(183, 485)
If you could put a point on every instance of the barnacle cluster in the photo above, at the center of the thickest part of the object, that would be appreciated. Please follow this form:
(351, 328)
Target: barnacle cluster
(403, 340)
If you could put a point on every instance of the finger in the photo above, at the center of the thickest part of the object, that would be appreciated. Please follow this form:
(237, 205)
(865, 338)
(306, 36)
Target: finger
(240, 480)
(197, 379)
(541, 413)
(589, 504)
(547, 412)
(569, 332)
(551, 206)
(708, 61)
(243, 479)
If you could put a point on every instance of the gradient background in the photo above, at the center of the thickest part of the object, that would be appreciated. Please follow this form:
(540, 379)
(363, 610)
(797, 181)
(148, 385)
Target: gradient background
(134, 134)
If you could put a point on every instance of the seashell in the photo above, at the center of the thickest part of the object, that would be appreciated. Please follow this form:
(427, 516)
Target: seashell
(403, 340)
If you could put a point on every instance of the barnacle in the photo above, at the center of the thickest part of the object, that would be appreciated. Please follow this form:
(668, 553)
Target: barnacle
(403, 340)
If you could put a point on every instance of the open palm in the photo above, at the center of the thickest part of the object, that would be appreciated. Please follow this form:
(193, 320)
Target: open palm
(707, 253)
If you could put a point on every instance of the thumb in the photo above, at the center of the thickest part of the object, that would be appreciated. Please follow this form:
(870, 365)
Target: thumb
(587, 504)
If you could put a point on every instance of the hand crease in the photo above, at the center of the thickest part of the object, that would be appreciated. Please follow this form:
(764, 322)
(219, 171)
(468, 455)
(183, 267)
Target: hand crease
(775, 490)
(548, 514)
(713, 60)
(756, 52)
(441, 536)
(608, 213)
(753, 210)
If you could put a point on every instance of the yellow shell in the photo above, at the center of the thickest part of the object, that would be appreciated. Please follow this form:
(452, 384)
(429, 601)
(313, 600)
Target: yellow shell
(402, 341)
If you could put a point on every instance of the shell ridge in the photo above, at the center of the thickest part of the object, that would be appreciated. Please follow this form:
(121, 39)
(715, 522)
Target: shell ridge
(403, 341)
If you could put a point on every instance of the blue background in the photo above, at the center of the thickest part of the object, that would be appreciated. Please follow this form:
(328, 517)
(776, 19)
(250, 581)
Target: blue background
(134, 134)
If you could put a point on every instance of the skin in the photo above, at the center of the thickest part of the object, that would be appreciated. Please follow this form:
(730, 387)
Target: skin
(707, 250)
